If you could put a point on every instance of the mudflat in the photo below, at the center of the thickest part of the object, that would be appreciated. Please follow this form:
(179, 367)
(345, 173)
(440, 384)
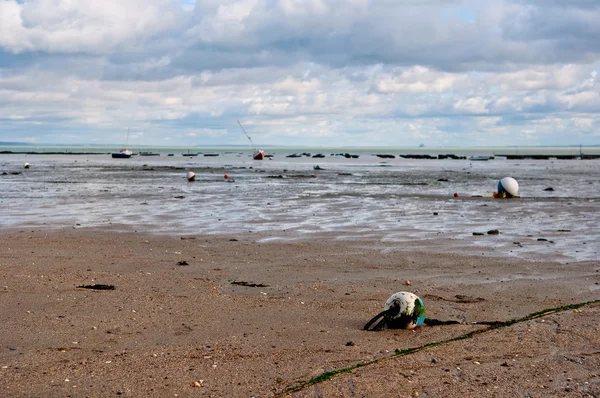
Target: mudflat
(87, 313)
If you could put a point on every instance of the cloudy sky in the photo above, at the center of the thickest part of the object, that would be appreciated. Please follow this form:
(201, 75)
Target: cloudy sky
(301, 72)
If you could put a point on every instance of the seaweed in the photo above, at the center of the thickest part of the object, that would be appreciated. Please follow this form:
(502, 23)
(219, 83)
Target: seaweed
(492, 325)
(97, 286)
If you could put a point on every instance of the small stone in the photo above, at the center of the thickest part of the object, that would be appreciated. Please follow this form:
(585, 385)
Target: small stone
(476, 363)
(493, 232)
(350, 344)
(407, 282)
(477, 234)
(197, 384)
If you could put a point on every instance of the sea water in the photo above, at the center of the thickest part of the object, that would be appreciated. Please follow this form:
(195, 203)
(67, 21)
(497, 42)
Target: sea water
(404, 203)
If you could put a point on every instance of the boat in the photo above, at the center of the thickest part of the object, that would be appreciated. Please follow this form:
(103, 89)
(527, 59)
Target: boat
(479, 158)
(124, 153)
(257, 154)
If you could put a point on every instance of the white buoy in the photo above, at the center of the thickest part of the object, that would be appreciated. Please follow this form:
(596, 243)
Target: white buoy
(508, 186)
(26, 165)
(190, 176)
(405, 310)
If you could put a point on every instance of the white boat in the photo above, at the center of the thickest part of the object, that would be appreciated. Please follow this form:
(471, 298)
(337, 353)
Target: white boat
(124, 153)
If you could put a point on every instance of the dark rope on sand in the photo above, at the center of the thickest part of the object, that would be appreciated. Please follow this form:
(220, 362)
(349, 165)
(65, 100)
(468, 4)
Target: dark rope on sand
(398, 353)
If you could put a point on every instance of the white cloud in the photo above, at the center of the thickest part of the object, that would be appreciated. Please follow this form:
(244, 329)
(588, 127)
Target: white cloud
(325, 71)
(94, 27)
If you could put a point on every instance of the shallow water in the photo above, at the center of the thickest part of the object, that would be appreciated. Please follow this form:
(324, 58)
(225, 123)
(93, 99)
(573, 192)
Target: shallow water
(393, 200)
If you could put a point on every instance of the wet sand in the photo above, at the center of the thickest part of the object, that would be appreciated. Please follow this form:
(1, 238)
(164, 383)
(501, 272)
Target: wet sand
(238, 316)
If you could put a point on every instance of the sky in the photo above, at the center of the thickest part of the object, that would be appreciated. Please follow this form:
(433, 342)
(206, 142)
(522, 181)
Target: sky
(382, 73)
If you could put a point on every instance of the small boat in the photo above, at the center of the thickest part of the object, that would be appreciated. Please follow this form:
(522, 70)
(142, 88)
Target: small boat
(257, 154)
(479, 158)
(124, 153)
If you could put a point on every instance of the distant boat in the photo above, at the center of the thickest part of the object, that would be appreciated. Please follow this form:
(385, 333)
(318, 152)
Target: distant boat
(124, 153)
(257, 154)
(479, 158)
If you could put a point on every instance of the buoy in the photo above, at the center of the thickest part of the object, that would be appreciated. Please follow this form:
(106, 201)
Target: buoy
(508, 187)
(456, 194)
(226, 176)
(190, 176)
(26, 165)
(403, 310)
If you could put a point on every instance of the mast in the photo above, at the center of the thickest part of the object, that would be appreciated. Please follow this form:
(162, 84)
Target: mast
(249, 139)
(127, 138)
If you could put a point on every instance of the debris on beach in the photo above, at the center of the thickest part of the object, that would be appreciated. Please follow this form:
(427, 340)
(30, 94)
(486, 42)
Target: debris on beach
(182, 262)
(493, 232)
(191, 176)
(26, 165)
(97, 286)
(402, 310)
(248, 284)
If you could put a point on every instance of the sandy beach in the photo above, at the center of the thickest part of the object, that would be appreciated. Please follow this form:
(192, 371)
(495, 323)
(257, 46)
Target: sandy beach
(238, 316)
